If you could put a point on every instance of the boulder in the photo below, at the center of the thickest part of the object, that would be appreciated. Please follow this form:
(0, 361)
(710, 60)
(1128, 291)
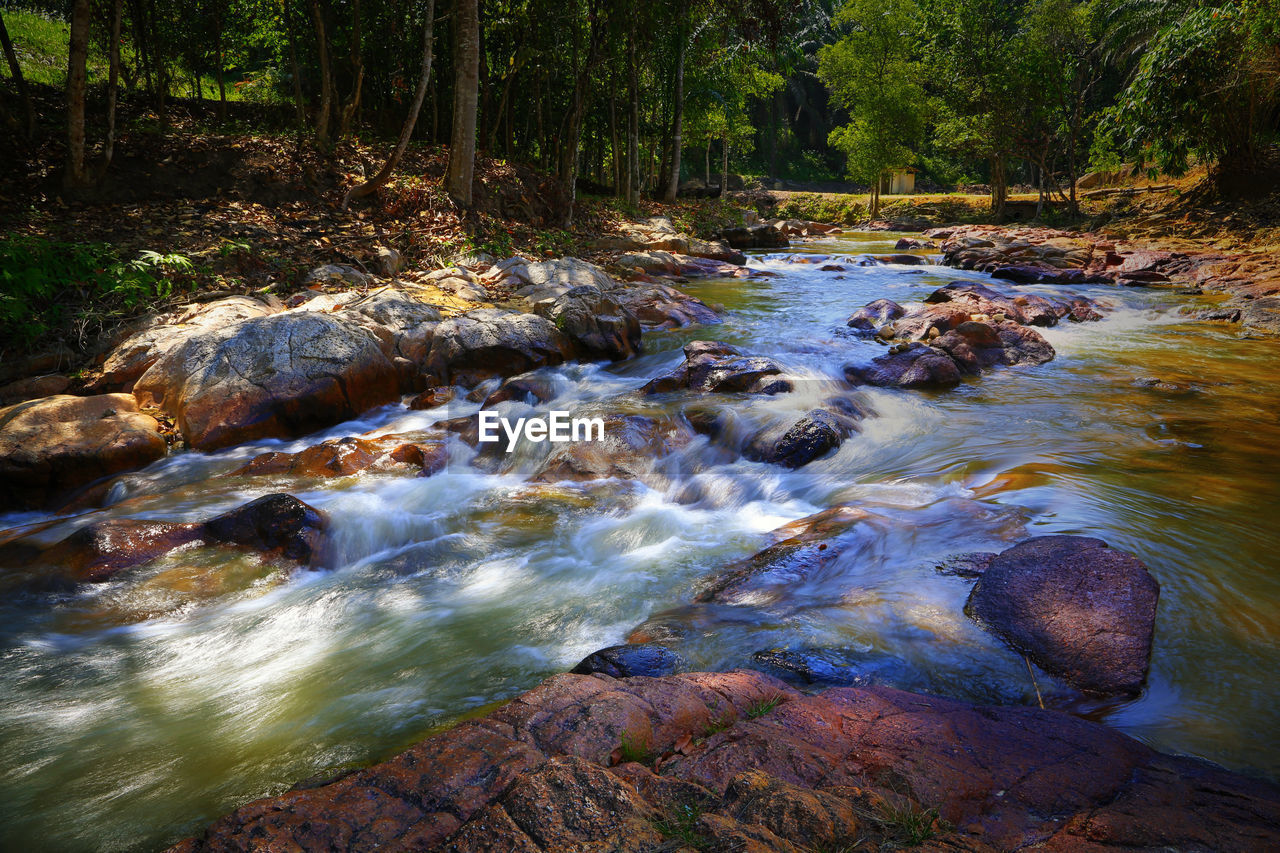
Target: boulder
(275, 525)
(660, 306)
(494, 342)
(55, 445)
(281, 375)
(913, 243)
(402, 326)
(33, 388)
(711, 367)
(630, 659)
(815, 435)
(1261, 315)
(741, 761)
(340, 457)
(875, 315)
(915, 366)
(975, 346)
(1079, 609)
(631, 445)
(762, 236)
(1027, 309)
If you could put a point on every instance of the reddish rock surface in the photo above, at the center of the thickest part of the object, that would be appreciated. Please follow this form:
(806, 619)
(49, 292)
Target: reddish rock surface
(1079, 609)
(739, 761)
(713, 367)
(340, 457)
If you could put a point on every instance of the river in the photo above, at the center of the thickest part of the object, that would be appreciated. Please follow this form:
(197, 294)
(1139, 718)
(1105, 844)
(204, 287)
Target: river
(136, 711)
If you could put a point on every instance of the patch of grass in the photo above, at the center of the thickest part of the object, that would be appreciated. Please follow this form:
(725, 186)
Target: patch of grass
(632, 749)
(680, 823)
(721, 723)
(764, 706)
(901, 823)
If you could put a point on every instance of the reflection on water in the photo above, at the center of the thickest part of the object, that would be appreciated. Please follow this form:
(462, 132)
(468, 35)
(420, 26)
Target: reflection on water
(138, 710)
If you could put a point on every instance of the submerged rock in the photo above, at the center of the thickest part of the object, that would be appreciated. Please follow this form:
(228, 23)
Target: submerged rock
(339, 457)
(53, 446)
(741, 760)
(629, 659)
(1079, 609)
(816, 434)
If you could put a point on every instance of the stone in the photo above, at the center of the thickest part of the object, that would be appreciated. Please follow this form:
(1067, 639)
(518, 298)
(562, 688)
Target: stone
(711, 367)
(340, 457)
(55, 445)
(875, 315)
(33, 388)
(578, 298)
(529, 387)
(1081, 610)
(282, 375)
(494, 342)
(1261, 315)
(660, 306)
(917, 366)
(279, 523)
(343, 275)
(815, 435)
(631, 446)
(764, 236)
(975, 346)
(631, 659)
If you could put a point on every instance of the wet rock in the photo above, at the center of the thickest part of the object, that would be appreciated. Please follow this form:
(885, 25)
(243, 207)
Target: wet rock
(828, 667)
(1261, 315)
(763, 236)
(975, 346)
(815, 435)
(578, 298)
(916, 366)
(1079, 609)
(631, 446)
(711, 367)
(432, 398)
(55, 445)
(493, 342)
(914, 243)
(340, 457)
(809, 772)
(901, 260)
(967, 565)
(282, 375)
(648, 659)
(875, 315)
(530, 388)
(1026, 309)
(277, 522)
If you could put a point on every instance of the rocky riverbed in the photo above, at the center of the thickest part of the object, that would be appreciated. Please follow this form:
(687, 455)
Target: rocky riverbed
(877, 472)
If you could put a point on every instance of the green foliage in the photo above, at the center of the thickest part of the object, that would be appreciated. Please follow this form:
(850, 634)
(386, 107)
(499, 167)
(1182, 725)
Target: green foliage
(680, 823)
(764, 706)
(724, 722)
(634, 749)
(49, 288)
(906, 825)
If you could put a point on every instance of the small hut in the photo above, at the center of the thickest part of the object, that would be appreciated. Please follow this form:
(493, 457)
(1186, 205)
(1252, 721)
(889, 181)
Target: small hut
(899, 182)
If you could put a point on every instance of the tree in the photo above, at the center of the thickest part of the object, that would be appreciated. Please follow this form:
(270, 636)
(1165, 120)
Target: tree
(872, 75)
(15, 71)
(406, 131)
(77, 59)
(462, 150)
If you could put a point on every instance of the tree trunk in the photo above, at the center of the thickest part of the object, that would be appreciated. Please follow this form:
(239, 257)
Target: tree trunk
(222, 85)
(326, 77)
(406, 132)
(571, 139)
(633, 121)
(614, 142)
(113, 86)
(18, 80)
(724, 165)
(352, 103)
(77, 56)
(999, 189)
(677, 120)
(299, 107)
(462, 148)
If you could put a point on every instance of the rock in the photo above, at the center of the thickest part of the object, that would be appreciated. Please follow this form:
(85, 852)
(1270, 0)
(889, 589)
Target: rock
(917, 366)
(131, 358)
(646, 659)
(876, 314)
(33, 388)
(901, 260)
(662, 263)
(659, 306)
(975, 346)
(1026, 309)
(740, 759)
(914, 243)
(967, 565)
(55, 445)
(340, 457)
(389, 261)
(281, 375)
(1261, 315)
(494, 342)
(530, 387)
(1079, 609)
(815, 435)
(711, 367)
(277, 524)
(631, 445)
(828, 667)
(343, 275)
(402, 326)
(763, 236)
(716, 250)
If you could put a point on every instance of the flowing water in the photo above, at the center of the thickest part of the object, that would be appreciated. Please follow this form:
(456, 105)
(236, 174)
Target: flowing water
(134, 712)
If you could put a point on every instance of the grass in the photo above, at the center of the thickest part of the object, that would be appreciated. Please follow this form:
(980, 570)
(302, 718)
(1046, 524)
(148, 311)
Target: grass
(764, 706)
(722, 723)
(632, 749)
(680, 823)
(908, 826)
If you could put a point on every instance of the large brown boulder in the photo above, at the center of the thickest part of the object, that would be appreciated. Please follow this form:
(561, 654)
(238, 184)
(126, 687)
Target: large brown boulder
(914, 366)
(1079, 609)
(714, 367)
(577, 297)
(475, 346)
(975, 346)
(52, 446)
(281, 375)
(660, 306)
(740, 761)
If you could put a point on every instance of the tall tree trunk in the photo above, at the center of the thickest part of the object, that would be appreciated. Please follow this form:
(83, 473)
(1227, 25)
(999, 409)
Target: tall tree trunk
(677, 119)
(326, 76)
(406, 132)
(613, 142)
(77, 56)
(999, 189)
(222, 86)
(462, 148)
(298, 105)
(724, 165)
(633, 120)
(352, 104)
(113, 86)
(18, 80)
(571, 139)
